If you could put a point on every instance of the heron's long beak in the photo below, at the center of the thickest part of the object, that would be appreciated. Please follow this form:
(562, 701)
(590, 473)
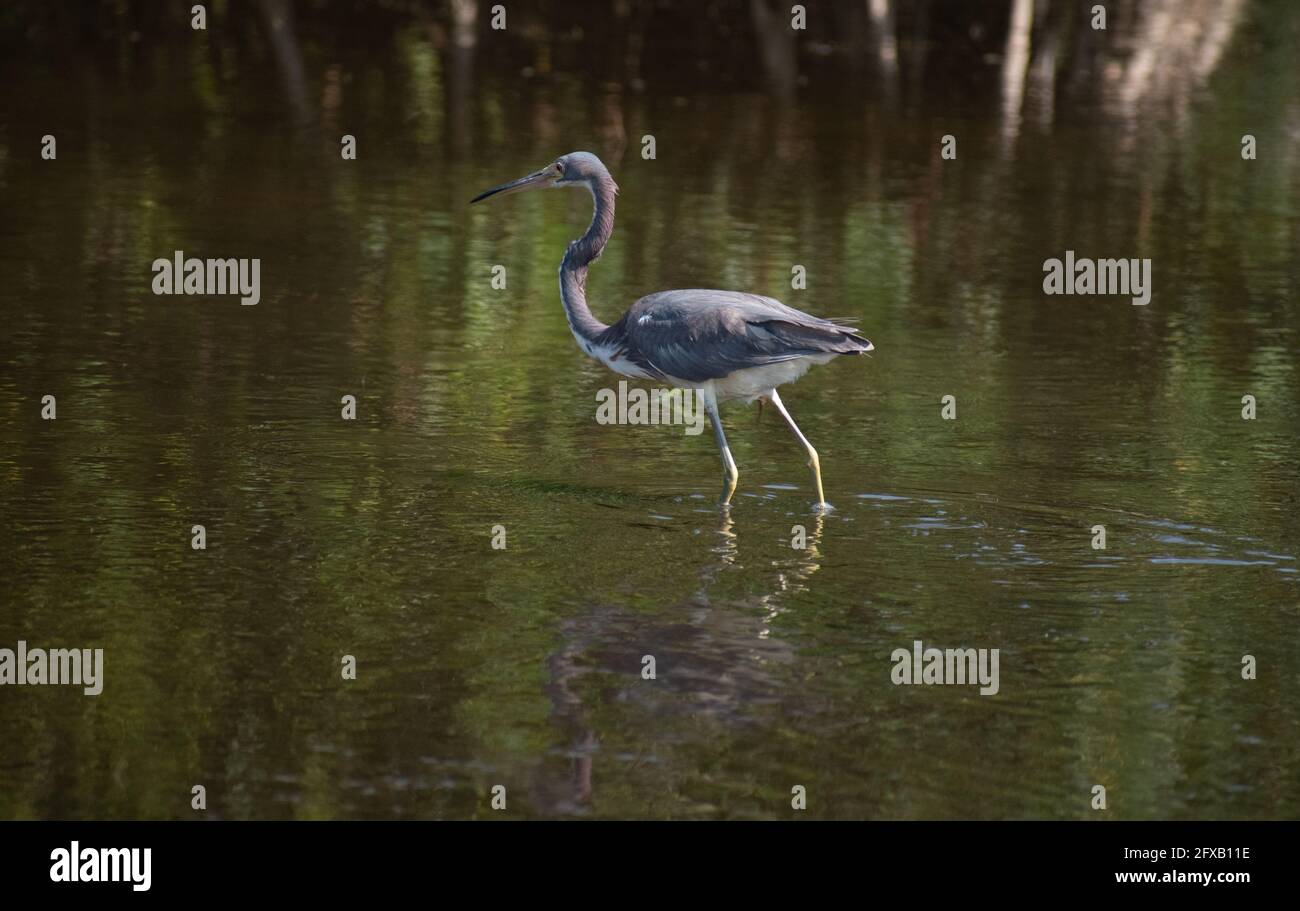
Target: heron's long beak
(533, 181)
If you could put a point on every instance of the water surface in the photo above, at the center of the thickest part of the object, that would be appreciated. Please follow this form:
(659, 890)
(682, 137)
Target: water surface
(522, 667)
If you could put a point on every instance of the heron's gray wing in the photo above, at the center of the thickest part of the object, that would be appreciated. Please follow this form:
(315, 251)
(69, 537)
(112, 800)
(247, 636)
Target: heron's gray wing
(699, 335)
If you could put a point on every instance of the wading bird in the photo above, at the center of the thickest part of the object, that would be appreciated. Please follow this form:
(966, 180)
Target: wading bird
(726, 345)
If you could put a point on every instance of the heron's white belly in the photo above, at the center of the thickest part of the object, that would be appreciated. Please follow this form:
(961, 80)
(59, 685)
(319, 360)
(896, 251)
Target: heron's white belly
(747, 384)
(752, 382)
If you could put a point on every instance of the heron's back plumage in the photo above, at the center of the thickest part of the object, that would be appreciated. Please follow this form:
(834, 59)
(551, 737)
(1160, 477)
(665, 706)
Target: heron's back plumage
(699, 335)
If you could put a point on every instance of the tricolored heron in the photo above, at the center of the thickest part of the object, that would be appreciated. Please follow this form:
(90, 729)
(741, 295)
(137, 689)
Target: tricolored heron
(726, 345)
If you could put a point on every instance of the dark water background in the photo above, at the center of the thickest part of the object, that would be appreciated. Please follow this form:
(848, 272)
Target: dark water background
(522, 667)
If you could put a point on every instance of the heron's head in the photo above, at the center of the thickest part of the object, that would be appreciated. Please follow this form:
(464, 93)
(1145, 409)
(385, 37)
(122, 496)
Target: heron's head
(577, 169)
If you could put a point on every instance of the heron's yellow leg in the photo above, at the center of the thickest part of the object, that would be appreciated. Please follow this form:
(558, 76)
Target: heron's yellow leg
(813, 462)
(730, 475)
(729, 483)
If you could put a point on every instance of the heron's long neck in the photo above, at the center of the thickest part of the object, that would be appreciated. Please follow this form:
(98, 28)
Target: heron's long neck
(581, 253)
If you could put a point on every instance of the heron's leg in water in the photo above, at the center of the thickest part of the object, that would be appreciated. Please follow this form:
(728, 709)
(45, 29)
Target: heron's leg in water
(730, 474)
(813, 462)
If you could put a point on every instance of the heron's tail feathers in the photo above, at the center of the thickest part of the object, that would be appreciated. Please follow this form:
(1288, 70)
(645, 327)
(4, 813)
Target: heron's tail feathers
(819, 337)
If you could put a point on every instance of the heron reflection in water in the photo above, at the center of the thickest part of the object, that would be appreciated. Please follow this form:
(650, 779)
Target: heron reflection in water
(727, 656)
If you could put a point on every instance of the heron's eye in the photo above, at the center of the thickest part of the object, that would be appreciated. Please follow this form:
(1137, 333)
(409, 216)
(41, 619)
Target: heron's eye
(559, 167)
